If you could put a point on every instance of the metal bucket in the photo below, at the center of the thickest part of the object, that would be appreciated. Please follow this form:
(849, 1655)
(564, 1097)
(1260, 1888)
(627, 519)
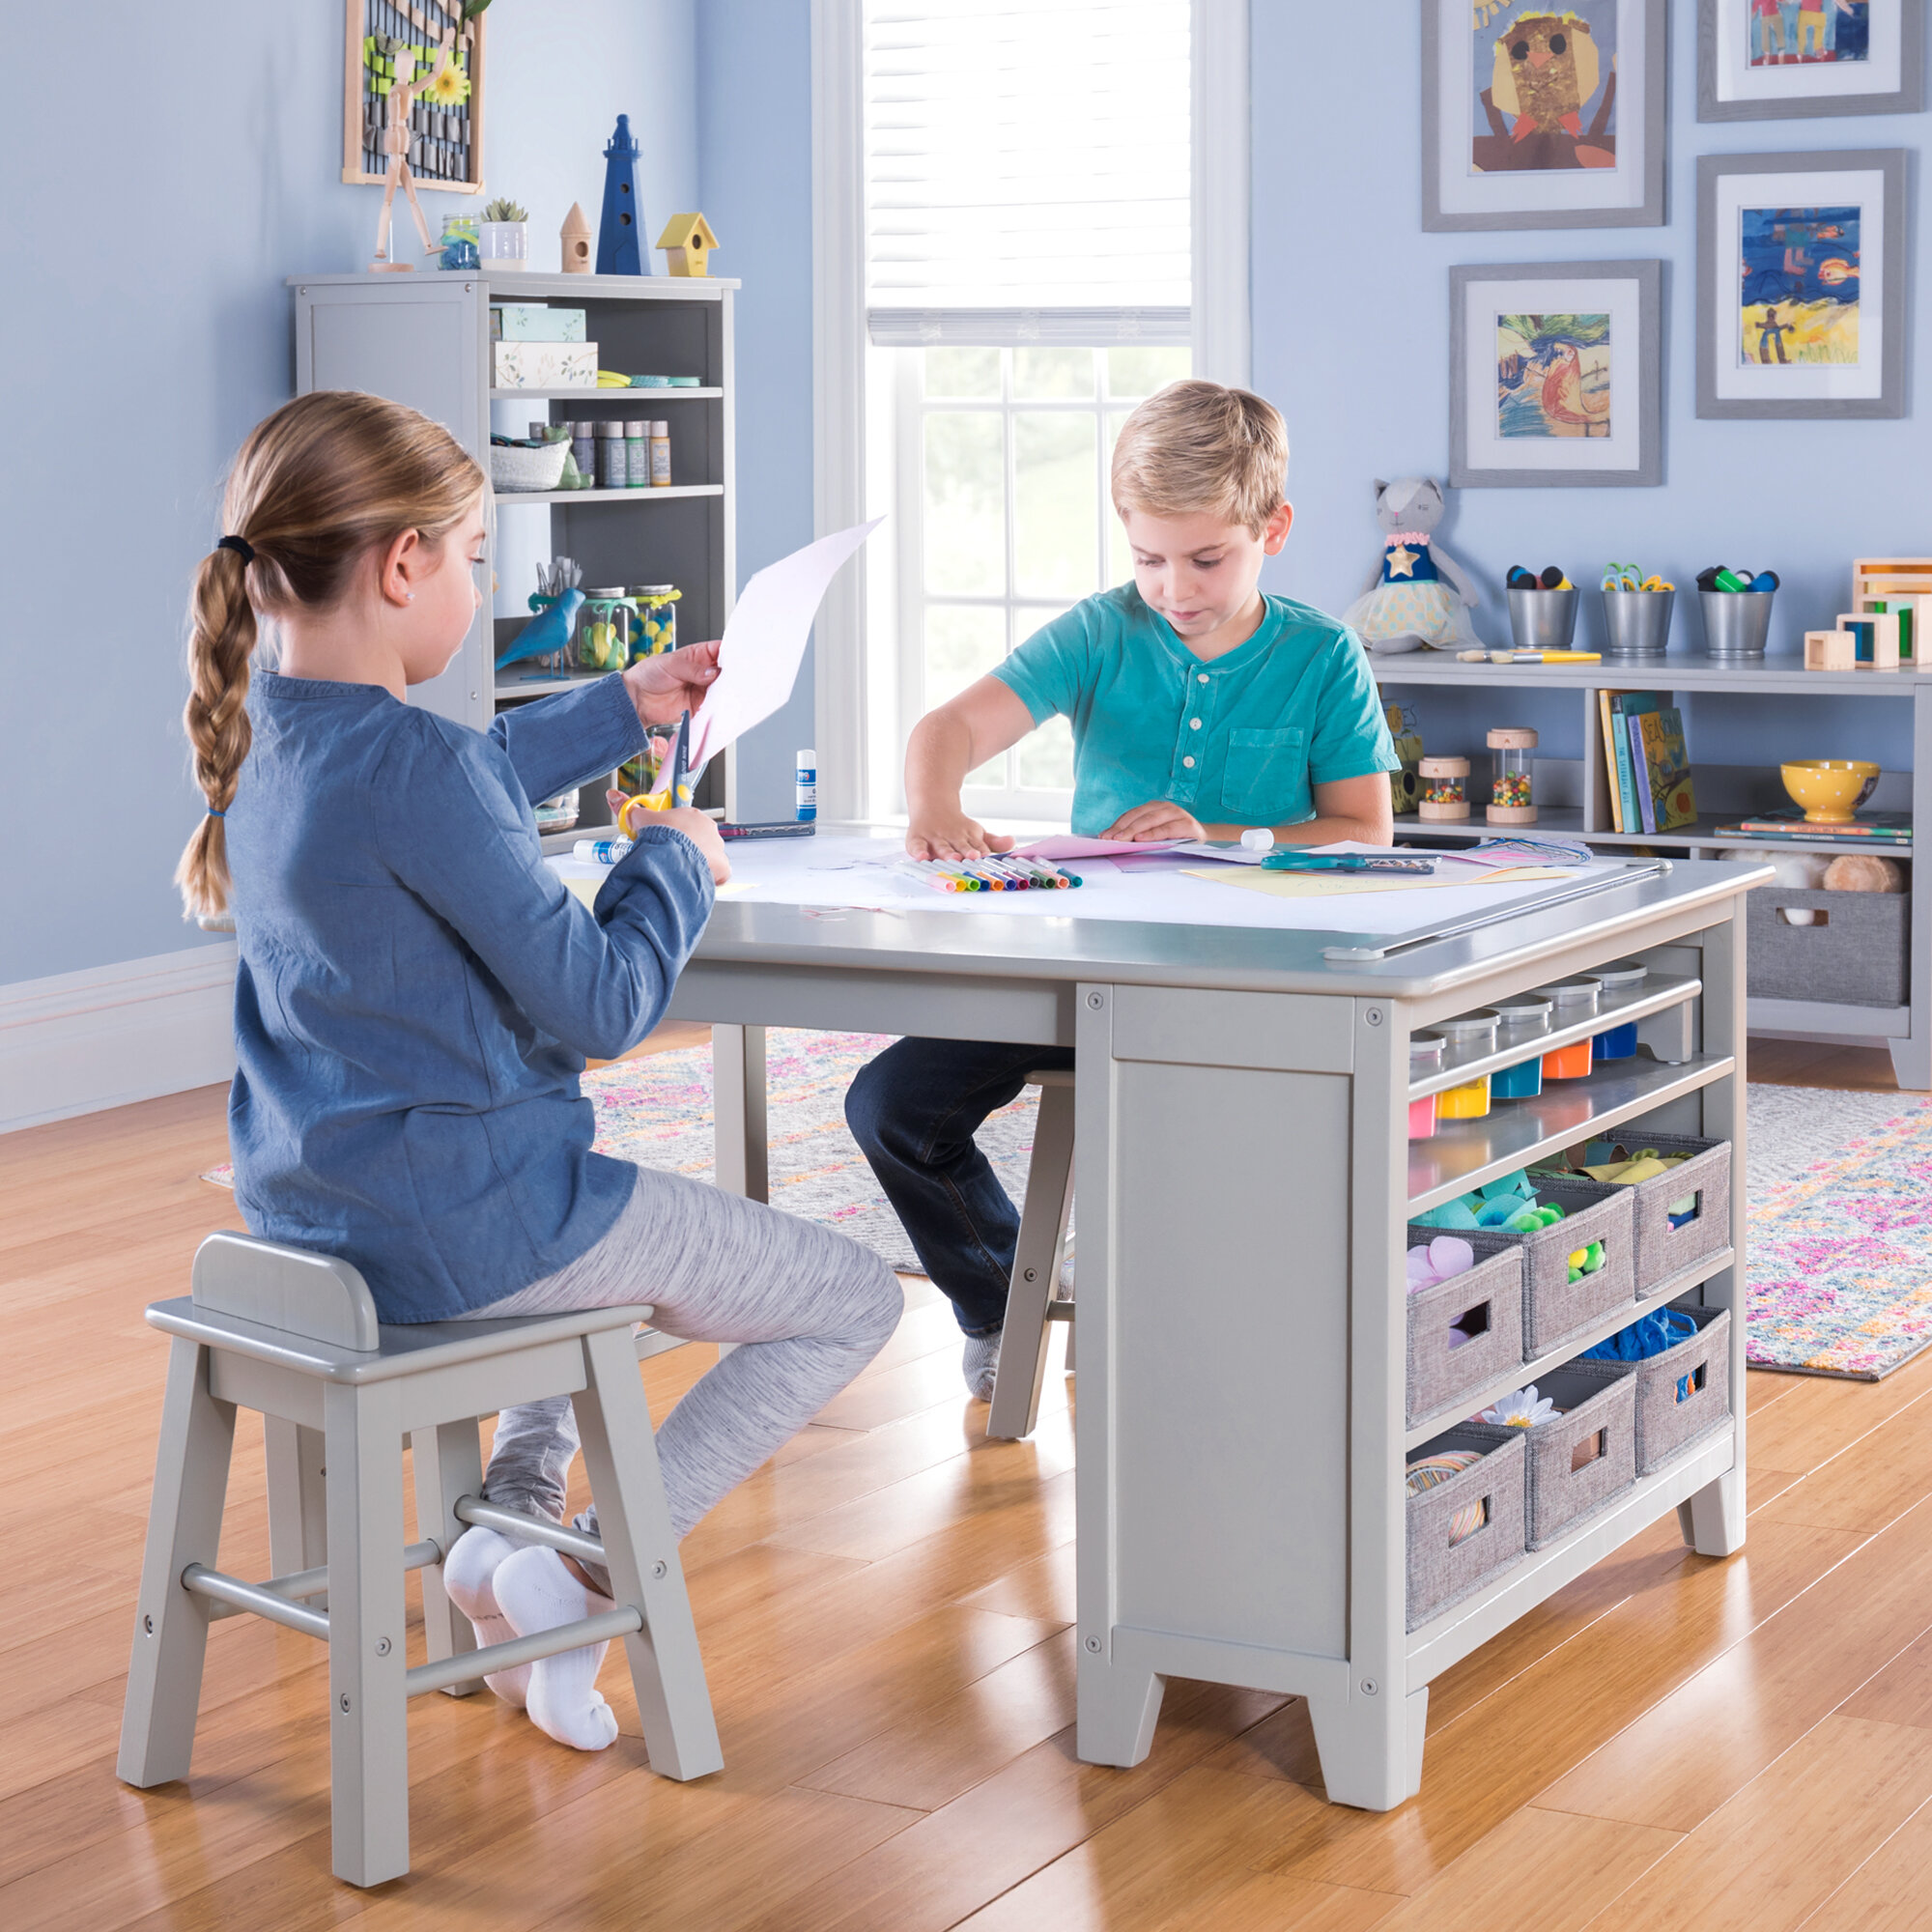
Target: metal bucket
(1637, 623)
(1736, 622)
(1543, 620)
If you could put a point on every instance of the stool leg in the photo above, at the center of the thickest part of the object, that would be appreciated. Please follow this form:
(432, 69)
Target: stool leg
(1042, 1229)
(298, 1505)
(368, 1737)
(621, 1455)
(183, 1527)
(449, 1463)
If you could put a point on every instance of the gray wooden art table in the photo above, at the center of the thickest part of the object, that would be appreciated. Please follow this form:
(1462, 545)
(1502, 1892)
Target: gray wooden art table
(1244, 1178)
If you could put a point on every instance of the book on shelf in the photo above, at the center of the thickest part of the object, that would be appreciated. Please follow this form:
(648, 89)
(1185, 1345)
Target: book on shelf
(1878, 828)
(1660, 770)
(1618, 708)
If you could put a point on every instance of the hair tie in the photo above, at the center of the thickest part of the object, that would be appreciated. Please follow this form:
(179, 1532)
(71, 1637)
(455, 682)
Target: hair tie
(212, 814)
(241, 548)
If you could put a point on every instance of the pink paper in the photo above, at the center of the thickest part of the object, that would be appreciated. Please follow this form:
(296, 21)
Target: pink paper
(1063, 845)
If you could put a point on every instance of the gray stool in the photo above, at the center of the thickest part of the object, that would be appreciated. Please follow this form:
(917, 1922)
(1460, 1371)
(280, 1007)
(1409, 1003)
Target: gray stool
(1031, 1305)
(294, 1335)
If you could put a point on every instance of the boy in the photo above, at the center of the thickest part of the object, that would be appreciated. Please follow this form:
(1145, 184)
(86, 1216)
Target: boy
(1199, 707)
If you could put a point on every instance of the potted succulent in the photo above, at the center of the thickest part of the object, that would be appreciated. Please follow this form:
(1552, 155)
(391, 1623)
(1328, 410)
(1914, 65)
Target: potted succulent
(503, 234)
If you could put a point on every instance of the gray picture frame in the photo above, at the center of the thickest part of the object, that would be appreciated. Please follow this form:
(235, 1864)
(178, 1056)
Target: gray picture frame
(1890, 403)
(1908, 98)
(1648, 276)
(1651, 212)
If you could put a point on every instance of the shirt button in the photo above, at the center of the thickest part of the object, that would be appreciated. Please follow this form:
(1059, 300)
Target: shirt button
(1188, 762)
(1194, 723)
(1201, 679)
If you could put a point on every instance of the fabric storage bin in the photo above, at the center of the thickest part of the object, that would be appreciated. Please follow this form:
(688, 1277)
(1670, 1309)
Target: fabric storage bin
(1661, 1250)
(1857, 954)
(1554, 1307)
(1583, 1459)
(1664, 1424)
(1441, 1573)
(1439, 1374)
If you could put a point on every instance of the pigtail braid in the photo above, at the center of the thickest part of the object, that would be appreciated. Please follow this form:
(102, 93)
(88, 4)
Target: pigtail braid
(217, 718)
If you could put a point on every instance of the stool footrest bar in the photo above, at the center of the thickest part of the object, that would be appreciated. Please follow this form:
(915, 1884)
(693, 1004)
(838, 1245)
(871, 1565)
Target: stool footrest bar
(470, 1664)
(240, 1596)
(312, 1582)
(535, 1528)
(1060, 1311)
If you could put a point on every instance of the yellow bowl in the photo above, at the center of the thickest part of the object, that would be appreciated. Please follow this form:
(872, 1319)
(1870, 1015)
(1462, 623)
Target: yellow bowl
(1830, 789)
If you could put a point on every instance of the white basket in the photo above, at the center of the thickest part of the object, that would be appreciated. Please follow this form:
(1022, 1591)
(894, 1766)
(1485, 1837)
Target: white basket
(514, 468)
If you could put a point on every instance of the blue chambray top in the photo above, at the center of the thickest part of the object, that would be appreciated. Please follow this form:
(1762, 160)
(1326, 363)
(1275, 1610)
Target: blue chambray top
(416, 990)
(1239, 740)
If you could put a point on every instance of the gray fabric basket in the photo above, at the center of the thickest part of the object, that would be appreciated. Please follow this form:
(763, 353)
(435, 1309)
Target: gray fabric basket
(1857, 956)
(1554, 1307)
(1440, 1576)
(1665, 1426)
(1439, 1374)
(1598, 1401)
(1661, 1250)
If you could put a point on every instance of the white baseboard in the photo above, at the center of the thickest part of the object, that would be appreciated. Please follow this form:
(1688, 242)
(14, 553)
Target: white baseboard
(76, 1043)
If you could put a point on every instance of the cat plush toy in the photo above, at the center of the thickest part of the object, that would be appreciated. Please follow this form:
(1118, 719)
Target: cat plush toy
(1421, 594)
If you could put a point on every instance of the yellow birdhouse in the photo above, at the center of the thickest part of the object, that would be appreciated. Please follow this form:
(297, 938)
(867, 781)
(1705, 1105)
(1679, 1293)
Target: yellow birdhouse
(575, 235)
(687, 240)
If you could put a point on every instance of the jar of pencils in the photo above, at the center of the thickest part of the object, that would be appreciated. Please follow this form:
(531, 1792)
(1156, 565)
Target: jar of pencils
(657, 609)
(1445, 788)
(1511, 781)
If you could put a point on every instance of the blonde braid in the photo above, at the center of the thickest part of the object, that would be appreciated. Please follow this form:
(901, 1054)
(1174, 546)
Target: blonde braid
(217, 718)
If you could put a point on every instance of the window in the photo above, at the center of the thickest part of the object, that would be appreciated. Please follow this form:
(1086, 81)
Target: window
(1027, 248)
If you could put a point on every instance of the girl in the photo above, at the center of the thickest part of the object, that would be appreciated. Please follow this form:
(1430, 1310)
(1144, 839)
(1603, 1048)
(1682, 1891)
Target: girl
(416, 993)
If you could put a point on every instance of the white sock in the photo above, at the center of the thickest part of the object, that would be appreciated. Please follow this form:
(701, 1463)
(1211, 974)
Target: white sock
(982, 1364)
(537, 1593)
(469, 1575)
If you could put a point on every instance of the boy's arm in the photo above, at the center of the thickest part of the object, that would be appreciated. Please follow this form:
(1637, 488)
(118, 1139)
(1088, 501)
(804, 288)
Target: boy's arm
(1360, 809)
(983, 721)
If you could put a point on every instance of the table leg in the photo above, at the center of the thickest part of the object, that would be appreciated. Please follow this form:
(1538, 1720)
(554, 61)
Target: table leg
(738, 1084)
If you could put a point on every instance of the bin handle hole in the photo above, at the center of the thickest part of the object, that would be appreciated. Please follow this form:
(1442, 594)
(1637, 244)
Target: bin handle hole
(1803, 915)
(1472, 1322)
(1592, 1449)
(1692, 1383)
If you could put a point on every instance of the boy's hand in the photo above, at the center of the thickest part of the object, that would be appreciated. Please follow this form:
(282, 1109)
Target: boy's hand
(663, 686)
(953, 836)
(703, 832)
(1158, 820)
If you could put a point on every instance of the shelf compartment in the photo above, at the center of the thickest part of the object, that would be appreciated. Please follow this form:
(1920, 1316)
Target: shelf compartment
(1540, 1575)
(1653, 997)
(1465, 1153)
(659, 496)
(680, 395)
(1567, 822)
(1523, 1374)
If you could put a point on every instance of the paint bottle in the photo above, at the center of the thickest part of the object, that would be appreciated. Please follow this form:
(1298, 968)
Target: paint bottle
(637, 455)
(611, 473)
(584, 450)
(807, 783)
(660, 456)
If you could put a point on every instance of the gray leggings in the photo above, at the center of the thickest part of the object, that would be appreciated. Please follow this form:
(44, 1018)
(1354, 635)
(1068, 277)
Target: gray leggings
(812, 1307)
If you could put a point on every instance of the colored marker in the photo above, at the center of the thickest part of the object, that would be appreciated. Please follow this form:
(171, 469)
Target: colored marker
(953, 868)
(938, 881)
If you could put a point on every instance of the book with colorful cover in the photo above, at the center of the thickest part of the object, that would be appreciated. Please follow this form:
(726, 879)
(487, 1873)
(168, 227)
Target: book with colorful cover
(1879, 828)
(1665, 796)
(1626, 705)
(1604, 703)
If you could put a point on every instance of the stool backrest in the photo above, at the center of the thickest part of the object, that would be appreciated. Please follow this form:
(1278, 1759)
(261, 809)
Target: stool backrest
(317, 1297)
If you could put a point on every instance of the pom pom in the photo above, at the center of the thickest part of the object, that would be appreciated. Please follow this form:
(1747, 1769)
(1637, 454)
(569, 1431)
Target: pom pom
(1857, 872)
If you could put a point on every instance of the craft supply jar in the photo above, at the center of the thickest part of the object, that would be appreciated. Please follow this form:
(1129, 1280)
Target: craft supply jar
(637, 455)
(1512, 782)
(1573, 1000)
(1445, 788)
(657, 608)
(1424, 1058)
(659, 475)
(1523, 1018)
(584, 450)
(612, 469)
(607, 632)
(1621, 977)
(1468, 1036)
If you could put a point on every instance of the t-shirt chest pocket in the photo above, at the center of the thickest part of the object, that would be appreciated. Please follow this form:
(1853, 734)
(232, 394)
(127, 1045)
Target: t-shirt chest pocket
(1266, 779)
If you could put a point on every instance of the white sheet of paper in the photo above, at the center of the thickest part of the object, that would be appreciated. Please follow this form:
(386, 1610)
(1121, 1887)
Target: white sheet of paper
(764, 641)
(1058, 846)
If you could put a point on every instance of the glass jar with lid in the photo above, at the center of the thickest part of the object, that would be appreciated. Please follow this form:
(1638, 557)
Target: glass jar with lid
(1445, 788)
(1425, 1057)
(1469, 1035)
(1573, 1000)
(1523, 1016)
(1622, 977)
(1511, 778)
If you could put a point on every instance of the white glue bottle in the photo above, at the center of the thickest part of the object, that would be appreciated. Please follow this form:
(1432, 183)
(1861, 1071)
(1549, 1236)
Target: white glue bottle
(806, 778)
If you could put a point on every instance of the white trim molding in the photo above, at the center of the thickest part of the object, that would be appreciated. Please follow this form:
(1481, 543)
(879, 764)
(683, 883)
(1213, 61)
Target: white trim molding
(76, 1043)
(1223, 168)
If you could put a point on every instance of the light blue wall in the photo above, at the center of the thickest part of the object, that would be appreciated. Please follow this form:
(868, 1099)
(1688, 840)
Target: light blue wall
(145, 329)
(1351, 338)
(755, 159)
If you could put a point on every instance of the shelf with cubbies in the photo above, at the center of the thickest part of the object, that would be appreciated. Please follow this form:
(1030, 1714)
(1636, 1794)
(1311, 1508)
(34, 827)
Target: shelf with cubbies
(424, 339)
(1574, 801)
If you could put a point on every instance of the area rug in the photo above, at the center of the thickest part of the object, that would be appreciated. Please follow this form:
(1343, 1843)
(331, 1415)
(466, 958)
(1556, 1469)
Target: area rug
(1841, 1241)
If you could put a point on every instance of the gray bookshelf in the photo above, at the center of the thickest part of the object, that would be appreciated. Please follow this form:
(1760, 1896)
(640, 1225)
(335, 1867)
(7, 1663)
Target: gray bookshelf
(1573, 793)
(424, 339)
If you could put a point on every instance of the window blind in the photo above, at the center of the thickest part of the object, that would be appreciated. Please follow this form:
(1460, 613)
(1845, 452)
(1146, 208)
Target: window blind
(1028, 171)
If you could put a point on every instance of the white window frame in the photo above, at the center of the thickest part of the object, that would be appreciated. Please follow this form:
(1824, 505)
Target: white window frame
(854, 672)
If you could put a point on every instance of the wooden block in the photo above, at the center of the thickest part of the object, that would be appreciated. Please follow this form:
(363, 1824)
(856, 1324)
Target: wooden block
(1828, 651)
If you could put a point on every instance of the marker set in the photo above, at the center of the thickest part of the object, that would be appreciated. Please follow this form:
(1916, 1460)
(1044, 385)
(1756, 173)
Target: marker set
(999, 872)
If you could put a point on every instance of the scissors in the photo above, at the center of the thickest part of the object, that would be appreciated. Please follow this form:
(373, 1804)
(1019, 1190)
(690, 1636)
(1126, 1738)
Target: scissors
(1342, 861)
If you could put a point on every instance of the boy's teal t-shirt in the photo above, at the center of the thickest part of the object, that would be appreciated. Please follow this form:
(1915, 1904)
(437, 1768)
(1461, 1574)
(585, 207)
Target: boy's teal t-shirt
(1239, 740)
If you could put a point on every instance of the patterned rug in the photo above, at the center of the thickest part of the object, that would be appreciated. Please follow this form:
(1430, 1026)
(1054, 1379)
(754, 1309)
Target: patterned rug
(1840, 1242)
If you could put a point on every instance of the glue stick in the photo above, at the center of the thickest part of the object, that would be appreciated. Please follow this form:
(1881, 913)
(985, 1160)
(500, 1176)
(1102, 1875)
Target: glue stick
(807, 782)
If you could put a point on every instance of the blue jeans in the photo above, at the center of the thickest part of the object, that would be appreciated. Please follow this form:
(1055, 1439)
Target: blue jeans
(914, 1111)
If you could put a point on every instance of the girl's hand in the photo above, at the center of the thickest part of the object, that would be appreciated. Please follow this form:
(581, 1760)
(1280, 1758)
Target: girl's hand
(664, 687)
(1158, 820)
(703, 832)
(953, 835)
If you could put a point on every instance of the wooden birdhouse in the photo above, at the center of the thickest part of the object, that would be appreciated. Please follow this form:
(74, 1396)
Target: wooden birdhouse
(687, 240)
(575, 235)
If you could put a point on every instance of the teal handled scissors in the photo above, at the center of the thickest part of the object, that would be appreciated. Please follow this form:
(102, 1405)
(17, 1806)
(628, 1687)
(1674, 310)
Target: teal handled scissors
(1342, 861)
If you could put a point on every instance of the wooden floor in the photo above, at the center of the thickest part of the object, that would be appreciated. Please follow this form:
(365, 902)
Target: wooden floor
(886, 1614)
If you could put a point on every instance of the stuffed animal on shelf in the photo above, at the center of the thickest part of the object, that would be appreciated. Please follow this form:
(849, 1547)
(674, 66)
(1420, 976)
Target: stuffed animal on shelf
(1421, 594)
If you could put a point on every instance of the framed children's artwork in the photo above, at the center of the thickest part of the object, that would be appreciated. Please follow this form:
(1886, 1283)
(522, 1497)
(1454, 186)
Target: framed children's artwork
(1555, 375)
(1543, 116)
(445, 140)
(1801, 284)
(1777, 60)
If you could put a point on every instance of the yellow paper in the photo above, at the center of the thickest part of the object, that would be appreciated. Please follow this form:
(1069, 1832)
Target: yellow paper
(1341, 885)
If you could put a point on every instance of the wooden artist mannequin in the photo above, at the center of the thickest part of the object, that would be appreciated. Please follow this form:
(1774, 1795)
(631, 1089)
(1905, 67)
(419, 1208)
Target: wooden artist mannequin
(396, 145)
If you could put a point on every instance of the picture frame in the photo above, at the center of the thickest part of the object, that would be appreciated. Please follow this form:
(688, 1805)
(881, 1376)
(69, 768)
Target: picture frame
(446, 146)
(1760, 63)
(1801, 259)
(1556, 374)
(1562, 136)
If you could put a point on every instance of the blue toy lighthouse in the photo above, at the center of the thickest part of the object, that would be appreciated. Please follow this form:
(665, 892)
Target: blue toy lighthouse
(619, 249)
